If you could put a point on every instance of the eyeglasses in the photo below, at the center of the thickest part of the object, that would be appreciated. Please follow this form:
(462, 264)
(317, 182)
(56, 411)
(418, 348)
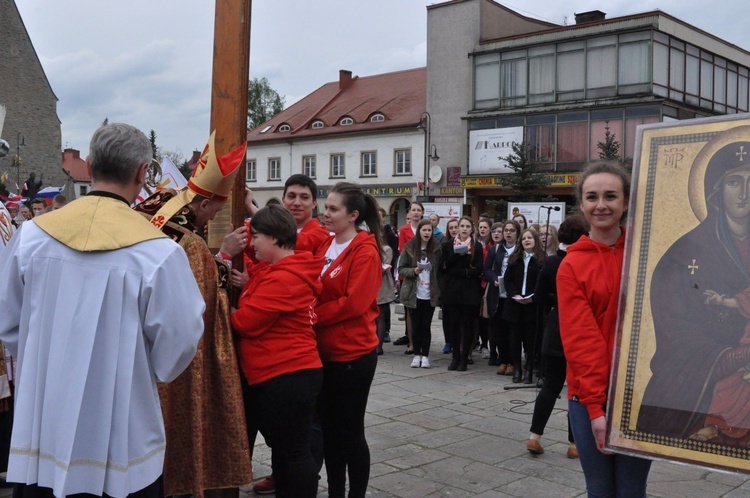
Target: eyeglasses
(510, 230)
(497, 231)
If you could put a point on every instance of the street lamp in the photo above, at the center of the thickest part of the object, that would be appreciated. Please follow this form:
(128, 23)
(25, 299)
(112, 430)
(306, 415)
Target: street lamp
(430, 150)
(20, 142)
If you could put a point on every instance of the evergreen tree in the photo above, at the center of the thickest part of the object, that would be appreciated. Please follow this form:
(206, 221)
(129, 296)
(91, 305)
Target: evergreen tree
(610, 148)
(526, 176)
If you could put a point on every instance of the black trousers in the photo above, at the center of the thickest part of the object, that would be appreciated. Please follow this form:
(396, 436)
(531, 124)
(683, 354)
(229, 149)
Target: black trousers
(421, 321)
(499, 335)
(523, 334)
(342, 405)
(554, 380)
(284, 408)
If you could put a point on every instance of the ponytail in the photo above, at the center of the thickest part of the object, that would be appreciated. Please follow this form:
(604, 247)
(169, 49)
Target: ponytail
(354, 199)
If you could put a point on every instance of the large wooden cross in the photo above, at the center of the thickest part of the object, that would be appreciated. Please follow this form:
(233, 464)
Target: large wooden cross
(231, 65)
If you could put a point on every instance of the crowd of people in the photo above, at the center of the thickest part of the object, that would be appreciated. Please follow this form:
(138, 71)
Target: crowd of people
(184, 382)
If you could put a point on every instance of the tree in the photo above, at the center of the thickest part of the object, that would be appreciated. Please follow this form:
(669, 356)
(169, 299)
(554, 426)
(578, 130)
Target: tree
(610, 148)
(263, 102)
(154, 147)
(105, 122)
(526, 176)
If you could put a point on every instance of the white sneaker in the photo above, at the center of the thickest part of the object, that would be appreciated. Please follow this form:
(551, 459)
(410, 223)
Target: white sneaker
(416, 362)
(485, 353)
(425, 362)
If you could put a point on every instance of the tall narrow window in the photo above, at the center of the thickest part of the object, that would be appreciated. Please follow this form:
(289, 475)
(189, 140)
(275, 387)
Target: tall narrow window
(308, 166)
(250, 171)
(274, 168)
(403, 162)
(369, 164)
(337, 166)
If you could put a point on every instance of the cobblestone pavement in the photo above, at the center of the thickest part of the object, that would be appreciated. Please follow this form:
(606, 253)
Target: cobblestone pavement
(435, 433)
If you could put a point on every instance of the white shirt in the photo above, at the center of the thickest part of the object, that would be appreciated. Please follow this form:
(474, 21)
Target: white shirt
(92, 333)
(333, 252)
(508, 252)
(423, 281)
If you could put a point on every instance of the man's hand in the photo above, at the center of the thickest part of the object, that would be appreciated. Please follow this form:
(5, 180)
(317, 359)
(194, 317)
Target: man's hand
(234, 242)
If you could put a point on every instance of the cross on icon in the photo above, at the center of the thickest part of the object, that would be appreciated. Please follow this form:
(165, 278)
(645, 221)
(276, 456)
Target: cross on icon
(694, 267)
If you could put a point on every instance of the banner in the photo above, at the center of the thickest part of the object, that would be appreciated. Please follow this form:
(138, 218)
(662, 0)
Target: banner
(487, 148)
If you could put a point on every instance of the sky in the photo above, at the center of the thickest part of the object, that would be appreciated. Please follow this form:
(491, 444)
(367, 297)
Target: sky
(148, 62)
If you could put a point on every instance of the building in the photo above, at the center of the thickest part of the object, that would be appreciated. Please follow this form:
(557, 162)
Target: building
(357, 129)
(558, 87)
(32, 127)
(78, 182)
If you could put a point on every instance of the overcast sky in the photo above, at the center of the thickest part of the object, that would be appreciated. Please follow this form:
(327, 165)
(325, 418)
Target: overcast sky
(148, 62)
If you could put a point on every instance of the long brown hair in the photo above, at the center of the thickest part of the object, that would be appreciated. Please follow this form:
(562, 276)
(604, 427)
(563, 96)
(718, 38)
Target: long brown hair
(416, 242)
(354, 199)
(538, 252)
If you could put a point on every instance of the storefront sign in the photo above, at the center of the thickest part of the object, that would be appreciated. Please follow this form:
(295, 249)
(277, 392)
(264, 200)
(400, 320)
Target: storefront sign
(458, 191)
(556, 180)
(454, 176)
(378, 191)
(488, 148)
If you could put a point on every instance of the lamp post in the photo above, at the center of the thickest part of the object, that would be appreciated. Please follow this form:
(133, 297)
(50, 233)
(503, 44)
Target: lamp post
(20, 142)
(430, 150)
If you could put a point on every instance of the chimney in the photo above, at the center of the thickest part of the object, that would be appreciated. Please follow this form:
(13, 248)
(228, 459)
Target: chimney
(590, 16)
(345, 78)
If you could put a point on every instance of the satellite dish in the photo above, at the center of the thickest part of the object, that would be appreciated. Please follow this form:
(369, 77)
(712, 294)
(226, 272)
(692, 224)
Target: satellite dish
(436, 173)
(4, 148)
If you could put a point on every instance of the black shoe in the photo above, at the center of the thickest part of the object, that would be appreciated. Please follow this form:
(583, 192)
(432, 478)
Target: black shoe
(517, 375)
(401, 341)
(528, 377)
(409, 351)
(462, 366)
(492, 363)
(453, 365)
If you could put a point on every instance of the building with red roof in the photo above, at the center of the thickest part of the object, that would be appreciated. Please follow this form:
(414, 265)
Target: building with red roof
(362, 129)
(78, 173)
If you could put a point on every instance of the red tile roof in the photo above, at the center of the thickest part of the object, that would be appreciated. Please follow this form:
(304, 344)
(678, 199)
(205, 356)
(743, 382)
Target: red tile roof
(75, 166)
(400, 96)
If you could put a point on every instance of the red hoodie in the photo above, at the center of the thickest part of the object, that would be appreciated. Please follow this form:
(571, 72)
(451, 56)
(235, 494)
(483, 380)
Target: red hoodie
(348, 304)
(275, 317)
(588, 290)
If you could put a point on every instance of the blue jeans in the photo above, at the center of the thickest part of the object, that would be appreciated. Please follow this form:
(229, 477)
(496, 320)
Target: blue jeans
(607, 476)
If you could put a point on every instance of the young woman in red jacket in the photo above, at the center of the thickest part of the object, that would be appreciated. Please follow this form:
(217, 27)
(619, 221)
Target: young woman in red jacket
(277, 349)
(588, 286)
(347, 339)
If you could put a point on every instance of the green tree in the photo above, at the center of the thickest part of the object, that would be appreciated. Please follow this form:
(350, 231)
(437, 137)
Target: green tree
(609, 148)
(154, 147)
(263, 102)
(526, 176)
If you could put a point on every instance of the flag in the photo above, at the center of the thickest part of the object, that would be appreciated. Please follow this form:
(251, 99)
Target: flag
(49, 192)
(4, 177)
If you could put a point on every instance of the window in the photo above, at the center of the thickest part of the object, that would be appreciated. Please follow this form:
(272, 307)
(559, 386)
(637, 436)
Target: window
(308, 166)
(346, 121)
(377, 118)
(337, 166)
(369, 164)
(250, 171)
(571, 70)
(487, 81)
(82, 190)
(601, 66)
(542, 74)
(266, 129)
(317, 124)
(285, 127)
(403, 162)
(513, 78)
(274, 168)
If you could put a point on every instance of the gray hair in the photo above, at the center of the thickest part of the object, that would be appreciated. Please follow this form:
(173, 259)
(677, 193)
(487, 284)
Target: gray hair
(116, 152)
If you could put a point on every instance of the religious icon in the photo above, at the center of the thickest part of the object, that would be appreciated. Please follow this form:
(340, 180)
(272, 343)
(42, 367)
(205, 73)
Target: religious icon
(681, 388)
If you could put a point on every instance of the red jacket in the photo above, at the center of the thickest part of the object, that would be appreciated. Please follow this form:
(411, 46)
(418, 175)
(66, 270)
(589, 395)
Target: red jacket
(588, 290)
(275, 317)
(405, 234)
(348, 304)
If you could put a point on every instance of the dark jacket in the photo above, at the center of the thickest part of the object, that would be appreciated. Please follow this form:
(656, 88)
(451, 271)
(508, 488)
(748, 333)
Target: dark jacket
(545, 295)
(460, 279)
(406, 265)
(493, 267)
(392, 239)
(514, 283)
